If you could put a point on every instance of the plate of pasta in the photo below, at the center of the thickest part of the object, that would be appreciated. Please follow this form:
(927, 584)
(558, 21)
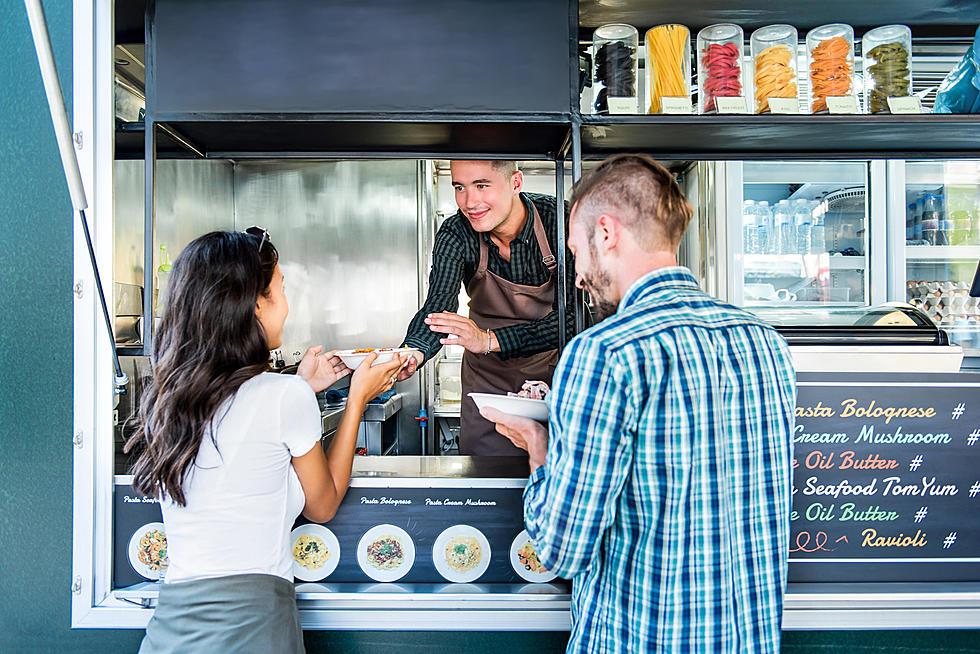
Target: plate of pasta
(353, 358)
(524, 559)
(148, 551)
(316, 552)
(385, 553)
(461, 554)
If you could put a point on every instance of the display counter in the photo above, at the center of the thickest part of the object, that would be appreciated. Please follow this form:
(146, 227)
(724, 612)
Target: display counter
(884, 534)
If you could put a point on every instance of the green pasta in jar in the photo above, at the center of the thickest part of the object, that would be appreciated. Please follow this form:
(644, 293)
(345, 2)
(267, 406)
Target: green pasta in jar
(887, 70)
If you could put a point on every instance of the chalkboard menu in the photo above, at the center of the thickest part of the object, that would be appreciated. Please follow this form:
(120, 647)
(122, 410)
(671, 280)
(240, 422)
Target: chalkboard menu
(886, 478)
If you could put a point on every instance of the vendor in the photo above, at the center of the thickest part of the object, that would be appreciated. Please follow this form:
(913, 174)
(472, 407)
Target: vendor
(501, 244)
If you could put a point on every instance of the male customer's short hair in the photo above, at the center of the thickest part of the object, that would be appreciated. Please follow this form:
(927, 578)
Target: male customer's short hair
(505, 168)
(641, 193)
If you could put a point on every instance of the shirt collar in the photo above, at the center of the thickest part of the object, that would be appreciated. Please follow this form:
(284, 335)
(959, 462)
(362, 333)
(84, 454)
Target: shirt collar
(655, 282)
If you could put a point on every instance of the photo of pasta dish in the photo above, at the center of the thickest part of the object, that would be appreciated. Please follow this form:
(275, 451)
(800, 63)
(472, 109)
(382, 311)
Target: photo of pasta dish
(153, 550)
(463, 553)
(529, 558)
(385, 553)
(310, 552)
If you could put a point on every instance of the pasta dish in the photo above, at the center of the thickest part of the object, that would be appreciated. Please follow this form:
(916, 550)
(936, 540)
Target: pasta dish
(529, 558)
(463, 553)
(153, 550)
(310, 552)
(385, 553)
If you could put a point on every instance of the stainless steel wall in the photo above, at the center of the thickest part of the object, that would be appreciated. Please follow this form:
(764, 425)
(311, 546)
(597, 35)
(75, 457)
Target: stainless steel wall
(347, 234)
(193, 197)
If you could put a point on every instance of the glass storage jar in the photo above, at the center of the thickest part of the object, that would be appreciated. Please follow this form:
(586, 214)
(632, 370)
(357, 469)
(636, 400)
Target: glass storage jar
(774, 66)
(887, 72)
(668, 67)
(719, 65)
(830, 62)
(616, 67)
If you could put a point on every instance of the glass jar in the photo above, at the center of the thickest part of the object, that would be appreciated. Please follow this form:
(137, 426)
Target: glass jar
(887, 71)
(719, 65)
(774, 65)
(668, 65)
(616, 68)
(830, 61)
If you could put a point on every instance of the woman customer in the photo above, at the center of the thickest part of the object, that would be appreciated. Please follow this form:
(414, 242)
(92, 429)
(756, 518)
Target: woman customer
(233, 451)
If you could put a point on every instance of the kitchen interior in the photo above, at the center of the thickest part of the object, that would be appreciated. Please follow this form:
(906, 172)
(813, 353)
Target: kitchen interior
(803, 243)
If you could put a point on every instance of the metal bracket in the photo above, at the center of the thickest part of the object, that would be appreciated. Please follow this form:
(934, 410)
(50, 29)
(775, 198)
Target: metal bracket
(78, 290)
(76, 586)
(77, 138)
(78, 439)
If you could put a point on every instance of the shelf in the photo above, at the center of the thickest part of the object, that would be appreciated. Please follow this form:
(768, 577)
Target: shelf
(784, 137)
(130, 143)
(942, 252)
(926, 17)
(415, 136)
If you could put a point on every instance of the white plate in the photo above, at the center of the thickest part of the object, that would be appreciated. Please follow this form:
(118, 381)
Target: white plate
(331, 543)
(517, 406)
(353, 359)
(442, 564)
(536, 577)
(143, 569)
(408, 553)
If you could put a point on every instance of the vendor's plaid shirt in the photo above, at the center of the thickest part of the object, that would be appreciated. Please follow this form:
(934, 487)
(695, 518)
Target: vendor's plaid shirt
(455, 256)
(667, 488)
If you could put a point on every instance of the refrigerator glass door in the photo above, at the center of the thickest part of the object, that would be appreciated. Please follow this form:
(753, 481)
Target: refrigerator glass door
(942, 245)
(805, 234)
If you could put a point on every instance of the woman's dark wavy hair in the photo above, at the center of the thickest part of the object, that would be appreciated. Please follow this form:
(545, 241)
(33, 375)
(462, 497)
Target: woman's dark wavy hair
(208, 344)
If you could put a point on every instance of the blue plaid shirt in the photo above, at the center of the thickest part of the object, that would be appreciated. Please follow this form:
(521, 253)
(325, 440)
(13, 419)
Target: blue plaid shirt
(666, 491)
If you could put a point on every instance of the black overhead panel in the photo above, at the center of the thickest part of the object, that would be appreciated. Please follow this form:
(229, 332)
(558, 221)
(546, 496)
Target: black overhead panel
(282, 56)
(128, 20)
(925, 17)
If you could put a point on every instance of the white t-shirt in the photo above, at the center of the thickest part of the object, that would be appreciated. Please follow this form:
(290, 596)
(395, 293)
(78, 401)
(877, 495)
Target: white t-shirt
(243, 497)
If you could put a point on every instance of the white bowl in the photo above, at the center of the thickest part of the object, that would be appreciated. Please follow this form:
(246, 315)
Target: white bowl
(516, 406)
(353, 359)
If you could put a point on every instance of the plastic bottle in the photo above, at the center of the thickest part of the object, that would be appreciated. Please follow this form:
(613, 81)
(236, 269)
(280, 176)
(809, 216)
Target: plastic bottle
(944, 231)
(163, 276)
(785, 243)
(910, 222)
(818, 235)
(919, 207)
(975, 225)
(803, 223)
(749, 224)
(766, 239)
(930, 219)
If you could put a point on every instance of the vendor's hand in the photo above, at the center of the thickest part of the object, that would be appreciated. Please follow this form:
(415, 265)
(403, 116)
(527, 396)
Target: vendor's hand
(411, 365)
(321, 370)
(523, 432)
(371, 380)
(467, 333)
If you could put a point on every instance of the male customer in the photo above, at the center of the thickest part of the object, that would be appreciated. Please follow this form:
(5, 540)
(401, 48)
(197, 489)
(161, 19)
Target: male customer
(502, 245)
(664, 489)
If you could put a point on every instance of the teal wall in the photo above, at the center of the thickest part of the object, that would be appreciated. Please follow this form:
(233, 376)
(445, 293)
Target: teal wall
(36, 406)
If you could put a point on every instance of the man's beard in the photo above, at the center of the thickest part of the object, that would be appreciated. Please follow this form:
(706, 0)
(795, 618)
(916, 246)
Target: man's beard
(598, 284)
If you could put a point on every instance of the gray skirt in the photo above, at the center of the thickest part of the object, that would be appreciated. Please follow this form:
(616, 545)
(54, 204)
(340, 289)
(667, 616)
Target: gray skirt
(240, 614)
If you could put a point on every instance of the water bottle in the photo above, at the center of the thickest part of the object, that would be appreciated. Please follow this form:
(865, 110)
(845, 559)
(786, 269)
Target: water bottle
(785, 243)
(749, 235)
(764, 228)
(910, 223)
(818, 235)
(944, 231)
(917, 227)
(930, 219)
(803, 223)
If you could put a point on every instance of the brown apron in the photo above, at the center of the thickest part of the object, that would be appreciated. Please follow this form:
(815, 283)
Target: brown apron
(494, 303)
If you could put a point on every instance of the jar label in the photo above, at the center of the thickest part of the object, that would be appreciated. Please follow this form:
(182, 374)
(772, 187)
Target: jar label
(905, 105)
(623, 105)
(676, 106)
(736, 105)
(784, 105)
(843, 104)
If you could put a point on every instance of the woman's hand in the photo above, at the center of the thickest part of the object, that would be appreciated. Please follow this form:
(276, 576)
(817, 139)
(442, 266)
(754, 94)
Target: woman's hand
(371, 380)
(321, 371)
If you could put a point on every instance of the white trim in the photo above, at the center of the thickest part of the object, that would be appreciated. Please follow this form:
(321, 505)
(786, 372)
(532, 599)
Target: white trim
(877, 208)
(93, 116)
(895, 227)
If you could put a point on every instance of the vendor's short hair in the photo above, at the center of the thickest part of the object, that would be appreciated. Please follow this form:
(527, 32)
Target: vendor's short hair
(505, 168)
(641, 193)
